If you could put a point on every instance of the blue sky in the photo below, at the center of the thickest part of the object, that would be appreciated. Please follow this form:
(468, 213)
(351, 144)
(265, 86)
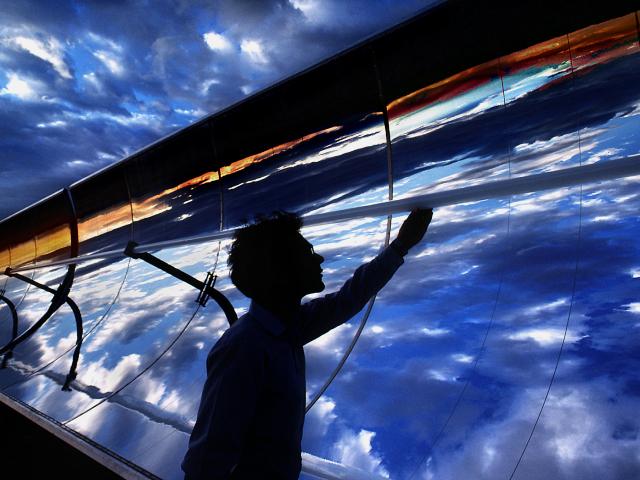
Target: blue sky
(460, 348)
(83, 84)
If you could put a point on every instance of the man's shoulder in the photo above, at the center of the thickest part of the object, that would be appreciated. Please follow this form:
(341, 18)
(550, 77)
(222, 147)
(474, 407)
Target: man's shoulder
(244, 331)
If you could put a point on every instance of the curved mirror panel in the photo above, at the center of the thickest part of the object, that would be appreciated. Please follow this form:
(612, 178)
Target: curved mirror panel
(525, 337)
(539, 121)
(152, 309)
(422, 338)
(606, 59)
(175, 188)
(593, 403)
(151, 419)
(103, 211)
(93, 292)
(285, 150)
(446, 135)
(52, 221)
(328, 168)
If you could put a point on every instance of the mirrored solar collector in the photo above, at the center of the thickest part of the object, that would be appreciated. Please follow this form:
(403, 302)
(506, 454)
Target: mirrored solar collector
(507, 346)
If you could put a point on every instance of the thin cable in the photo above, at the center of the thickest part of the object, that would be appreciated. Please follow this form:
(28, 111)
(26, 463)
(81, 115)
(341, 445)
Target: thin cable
(86, 334)
(564, 337)
(573, 292)
(491, 318)
(387, 238)
(138, 375)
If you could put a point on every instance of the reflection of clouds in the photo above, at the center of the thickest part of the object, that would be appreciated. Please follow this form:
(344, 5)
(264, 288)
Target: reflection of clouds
(355, 450)
(582, 434)
(544, 337)
(633, 307)
(94, 373)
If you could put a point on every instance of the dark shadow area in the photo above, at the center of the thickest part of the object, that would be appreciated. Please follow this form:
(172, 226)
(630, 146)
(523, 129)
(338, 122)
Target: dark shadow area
(31, 452)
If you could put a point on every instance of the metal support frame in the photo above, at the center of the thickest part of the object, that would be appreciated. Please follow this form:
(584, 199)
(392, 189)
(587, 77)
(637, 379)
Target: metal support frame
(14, 331)
(205, 288)
(60, 296)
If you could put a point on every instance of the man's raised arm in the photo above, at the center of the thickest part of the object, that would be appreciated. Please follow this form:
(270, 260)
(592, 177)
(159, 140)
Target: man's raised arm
(322, 314)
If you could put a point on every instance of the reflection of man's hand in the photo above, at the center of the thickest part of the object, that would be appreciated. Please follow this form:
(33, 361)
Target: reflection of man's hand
(413, 229)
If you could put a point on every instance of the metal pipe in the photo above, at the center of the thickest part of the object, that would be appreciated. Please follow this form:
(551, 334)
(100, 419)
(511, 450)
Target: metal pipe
(595, 172)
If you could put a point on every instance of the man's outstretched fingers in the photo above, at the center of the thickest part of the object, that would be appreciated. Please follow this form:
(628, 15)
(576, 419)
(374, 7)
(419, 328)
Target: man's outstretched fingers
(414, 228)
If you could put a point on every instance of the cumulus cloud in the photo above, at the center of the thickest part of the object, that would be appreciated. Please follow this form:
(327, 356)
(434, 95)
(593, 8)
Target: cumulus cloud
(354, 449)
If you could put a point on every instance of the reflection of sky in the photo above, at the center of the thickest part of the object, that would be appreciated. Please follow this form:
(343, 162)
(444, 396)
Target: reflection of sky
(457, 355)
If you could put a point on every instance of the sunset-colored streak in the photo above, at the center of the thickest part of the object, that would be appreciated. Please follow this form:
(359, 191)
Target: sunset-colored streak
(5, 259)
(22, 253)
(590, 46)
(53, 240)
(239, 165)
(444, 89)
(120, 215)
(605, 41)
(103, 222)
(155, 204)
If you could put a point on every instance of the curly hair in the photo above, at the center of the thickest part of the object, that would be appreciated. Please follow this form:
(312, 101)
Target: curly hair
(259, 249)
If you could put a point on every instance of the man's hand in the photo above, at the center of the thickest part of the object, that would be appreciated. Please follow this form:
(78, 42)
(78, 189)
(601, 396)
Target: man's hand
(412, 230)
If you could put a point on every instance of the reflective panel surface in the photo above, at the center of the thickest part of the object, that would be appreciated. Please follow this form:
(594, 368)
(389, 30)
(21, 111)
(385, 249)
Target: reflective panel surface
(151, 310)
(175, 188)
(94, 292)
(324, 168)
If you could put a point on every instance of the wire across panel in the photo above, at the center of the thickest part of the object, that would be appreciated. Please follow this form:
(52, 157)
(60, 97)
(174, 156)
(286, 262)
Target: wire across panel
(178, 377)
(392, 395)
(593, 403)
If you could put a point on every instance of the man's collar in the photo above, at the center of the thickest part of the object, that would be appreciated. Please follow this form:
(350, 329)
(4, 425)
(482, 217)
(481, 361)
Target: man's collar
(272, 323)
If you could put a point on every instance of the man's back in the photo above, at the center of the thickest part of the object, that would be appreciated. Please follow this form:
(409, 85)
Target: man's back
(252, 407)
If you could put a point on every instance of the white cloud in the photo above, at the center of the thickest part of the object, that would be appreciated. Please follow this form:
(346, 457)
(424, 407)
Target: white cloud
(434, 332)
(633, 307)
(93, 81)
(111, 61)
(53, 124)
(462, 358)
(544, 336)
(354, 450)
(217, 42)
(50, 51)
(23, 88)
(108, 379)
(254, 51)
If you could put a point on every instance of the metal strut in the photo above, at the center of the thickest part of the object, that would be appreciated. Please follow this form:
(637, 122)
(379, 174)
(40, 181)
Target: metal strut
(14, 331)
(60, 296)
(205, 288)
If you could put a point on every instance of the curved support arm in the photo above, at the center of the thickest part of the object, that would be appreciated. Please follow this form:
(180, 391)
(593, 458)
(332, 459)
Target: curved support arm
(14, 330)
(59, 297)
(204, 287)
(71, 376)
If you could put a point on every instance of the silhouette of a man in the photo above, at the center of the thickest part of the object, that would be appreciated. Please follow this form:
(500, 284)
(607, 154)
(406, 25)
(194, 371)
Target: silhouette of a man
(251, 413)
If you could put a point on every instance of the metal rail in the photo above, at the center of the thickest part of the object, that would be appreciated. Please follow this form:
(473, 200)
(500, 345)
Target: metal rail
(595, 172)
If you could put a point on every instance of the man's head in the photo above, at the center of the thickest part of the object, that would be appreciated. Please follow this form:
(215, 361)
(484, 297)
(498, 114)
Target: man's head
(270, 259)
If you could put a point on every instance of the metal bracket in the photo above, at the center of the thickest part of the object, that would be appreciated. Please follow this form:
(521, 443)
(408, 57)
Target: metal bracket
(203, 296)
(205, 288)
(60, 296)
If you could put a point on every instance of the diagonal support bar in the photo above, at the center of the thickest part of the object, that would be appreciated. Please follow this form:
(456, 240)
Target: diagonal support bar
(205, 288)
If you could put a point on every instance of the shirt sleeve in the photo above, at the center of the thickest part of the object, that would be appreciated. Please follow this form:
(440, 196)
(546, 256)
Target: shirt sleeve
(235, 372)
(322, 314)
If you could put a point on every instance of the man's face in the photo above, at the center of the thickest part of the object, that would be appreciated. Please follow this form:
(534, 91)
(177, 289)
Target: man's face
(305, 265)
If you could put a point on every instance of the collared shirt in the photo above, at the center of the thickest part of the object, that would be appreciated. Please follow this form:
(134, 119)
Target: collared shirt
(251, 412)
